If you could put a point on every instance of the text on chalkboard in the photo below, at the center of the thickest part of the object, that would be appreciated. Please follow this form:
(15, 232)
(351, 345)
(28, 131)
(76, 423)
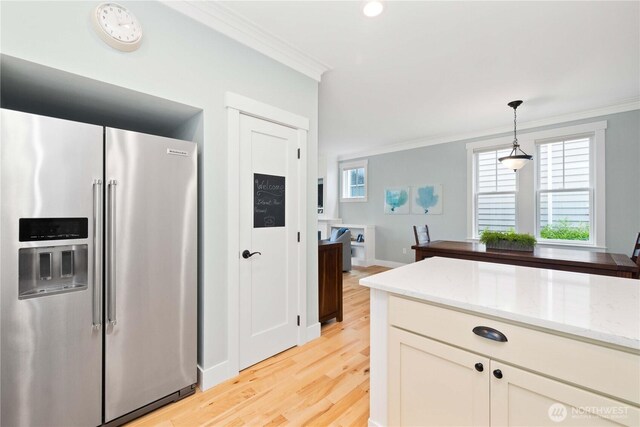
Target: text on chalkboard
(268, 200)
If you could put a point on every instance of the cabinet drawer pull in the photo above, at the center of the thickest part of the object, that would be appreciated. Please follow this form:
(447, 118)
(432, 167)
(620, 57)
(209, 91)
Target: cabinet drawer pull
(490, 333)
(479, 367)
(497, 373)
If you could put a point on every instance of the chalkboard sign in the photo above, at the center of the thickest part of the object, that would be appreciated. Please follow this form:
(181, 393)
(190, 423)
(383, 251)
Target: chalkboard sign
(268, 200)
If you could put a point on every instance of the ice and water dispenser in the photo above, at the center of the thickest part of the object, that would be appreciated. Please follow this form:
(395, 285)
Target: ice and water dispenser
(45, 270)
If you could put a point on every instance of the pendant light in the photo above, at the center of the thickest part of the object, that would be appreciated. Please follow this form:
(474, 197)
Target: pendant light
(517, 158)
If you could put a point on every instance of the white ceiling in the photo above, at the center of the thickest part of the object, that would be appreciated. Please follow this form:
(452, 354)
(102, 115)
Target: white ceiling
(428, 70)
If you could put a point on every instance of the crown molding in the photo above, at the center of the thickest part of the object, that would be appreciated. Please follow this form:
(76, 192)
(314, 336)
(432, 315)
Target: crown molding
(628, 105)
(224, 20)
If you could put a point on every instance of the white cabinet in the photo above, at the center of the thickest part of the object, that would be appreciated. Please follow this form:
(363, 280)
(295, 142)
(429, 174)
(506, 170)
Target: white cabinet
(440, 373)
(362, 253)
(434, 384)
(523, 398)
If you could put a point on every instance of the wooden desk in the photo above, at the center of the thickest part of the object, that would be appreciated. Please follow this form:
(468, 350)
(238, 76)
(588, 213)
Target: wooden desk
(603, 263)
(329, 281)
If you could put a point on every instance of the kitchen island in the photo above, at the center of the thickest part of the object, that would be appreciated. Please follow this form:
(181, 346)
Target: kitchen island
(459, 342)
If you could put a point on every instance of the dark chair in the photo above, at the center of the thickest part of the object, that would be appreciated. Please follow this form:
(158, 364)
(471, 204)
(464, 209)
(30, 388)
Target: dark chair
(635, 254)
(421, 233)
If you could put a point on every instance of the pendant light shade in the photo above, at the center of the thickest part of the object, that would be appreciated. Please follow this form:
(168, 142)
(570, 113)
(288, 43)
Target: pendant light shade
(517, 158)
(515, 162)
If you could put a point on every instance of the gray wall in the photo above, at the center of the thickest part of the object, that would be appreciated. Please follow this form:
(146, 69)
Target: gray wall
(446, 164)
(183, 61)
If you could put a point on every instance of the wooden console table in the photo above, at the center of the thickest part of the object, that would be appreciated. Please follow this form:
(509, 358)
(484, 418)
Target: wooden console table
(329, 280)
(603, 263)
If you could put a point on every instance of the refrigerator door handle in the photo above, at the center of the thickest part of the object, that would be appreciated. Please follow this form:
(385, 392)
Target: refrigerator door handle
(97, 254)
(111, 254)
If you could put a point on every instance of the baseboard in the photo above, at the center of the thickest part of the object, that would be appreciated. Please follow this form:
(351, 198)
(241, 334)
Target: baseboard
(313, 331)
(390, 264)
(372, 423)
(359, 262)
(214, 375)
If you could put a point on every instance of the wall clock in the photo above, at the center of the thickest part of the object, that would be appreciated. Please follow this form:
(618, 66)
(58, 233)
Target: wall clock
(117, 26)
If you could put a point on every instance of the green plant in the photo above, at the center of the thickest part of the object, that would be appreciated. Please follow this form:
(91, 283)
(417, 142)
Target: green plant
(564, 230)
(522, 239)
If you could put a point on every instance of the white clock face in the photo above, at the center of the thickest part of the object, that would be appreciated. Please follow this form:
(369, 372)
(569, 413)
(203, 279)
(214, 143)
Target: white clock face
(117, 26)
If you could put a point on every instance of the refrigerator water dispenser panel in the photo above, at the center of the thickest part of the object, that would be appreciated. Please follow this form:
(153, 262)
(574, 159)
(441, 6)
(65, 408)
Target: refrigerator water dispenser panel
(51, 270)
(38, 229)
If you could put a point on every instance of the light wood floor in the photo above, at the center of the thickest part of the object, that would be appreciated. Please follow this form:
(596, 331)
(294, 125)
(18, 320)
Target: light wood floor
(325, 382)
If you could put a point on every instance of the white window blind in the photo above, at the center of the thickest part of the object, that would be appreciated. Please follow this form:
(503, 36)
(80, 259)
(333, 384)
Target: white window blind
(565, 190)
(495, 193)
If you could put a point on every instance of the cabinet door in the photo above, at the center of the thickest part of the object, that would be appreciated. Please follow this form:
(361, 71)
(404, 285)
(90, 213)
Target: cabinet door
(434, 384)
(521, 398)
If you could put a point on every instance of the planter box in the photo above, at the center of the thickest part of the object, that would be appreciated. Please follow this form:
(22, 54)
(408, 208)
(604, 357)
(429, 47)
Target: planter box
(506, 245)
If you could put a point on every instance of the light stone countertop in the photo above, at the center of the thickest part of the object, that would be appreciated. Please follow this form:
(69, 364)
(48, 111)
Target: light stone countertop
(600, 308)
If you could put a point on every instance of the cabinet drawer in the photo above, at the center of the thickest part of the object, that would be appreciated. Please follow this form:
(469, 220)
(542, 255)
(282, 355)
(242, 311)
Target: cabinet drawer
(602, 369)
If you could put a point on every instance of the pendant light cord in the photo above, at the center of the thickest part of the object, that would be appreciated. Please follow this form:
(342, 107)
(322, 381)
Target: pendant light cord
(515, 136)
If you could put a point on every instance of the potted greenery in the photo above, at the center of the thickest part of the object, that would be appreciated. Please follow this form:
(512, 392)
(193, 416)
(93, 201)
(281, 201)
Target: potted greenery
(508, 240)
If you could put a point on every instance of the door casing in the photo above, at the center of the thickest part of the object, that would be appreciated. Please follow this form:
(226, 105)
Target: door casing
(236, 105)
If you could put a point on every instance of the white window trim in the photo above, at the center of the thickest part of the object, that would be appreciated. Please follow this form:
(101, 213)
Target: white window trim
(354, 165)
(526, 203)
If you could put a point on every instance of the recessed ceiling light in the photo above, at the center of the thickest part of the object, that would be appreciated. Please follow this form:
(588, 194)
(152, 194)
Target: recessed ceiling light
(373, 8)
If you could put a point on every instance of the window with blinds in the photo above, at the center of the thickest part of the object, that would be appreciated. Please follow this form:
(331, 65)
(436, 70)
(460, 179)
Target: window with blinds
(495, 193)
(564, 190)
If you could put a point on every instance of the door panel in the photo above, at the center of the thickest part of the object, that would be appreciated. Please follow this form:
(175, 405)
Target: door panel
(521, 398)
(433, 384)
(151, 349)
(269, 225)
(51, 360)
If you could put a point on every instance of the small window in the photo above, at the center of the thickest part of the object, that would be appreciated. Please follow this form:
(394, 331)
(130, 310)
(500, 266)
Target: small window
(565, 191)
(494, 193)
(354, 182)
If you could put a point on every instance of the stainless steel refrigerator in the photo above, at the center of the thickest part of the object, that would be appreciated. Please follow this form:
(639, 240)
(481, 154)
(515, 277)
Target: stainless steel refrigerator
(98, 267)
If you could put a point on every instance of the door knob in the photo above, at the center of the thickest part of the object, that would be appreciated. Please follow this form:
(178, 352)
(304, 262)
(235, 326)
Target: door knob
(246, 254)
(497, 373)
(479, 367)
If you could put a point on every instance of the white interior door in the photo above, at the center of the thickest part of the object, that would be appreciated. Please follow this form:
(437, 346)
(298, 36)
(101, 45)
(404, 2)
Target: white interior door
(269, 229)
